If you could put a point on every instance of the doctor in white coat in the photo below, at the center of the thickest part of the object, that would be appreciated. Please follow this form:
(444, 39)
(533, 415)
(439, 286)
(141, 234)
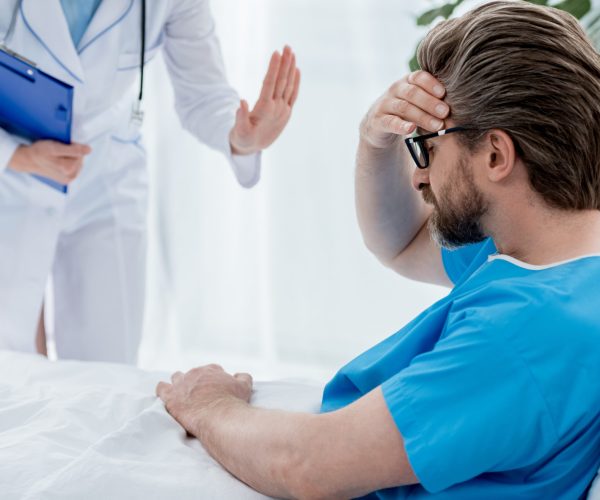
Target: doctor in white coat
(93, 239)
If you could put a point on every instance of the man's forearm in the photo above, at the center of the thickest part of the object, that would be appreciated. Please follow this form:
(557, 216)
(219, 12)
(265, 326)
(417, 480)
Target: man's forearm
(390, 212)
(266, 449)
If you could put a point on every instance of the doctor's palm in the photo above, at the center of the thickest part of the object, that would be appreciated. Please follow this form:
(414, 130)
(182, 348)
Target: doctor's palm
(257, 129)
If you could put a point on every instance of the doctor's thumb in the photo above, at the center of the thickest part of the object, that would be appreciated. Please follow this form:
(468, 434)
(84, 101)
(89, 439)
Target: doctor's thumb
(82, 149)
(69, 150)
(243, 111)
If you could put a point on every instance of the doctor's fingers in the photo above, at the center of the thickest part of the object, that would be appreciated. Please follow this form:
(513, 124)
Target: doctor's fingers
(294, 95)
(270, 79)
(287, 59)
(54, 175)
(289, 80)
(292, 86)
(63, 170)
(68, 150)
(68, 166)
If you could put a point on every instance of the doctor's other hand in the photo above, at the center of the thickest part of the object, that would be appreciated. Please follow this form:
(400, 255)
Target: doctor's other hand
(257, 129)
(416, 100)
(54, 160)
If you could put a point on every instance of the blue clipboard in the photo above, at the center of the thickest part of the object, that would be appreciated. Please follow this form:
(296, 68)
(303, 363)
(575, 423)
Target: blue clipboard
(33, 104)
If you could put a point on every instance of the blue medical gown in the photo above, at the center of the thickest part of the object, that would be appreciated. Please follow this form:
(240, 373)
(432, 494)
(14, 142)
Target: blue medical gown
(495, 388)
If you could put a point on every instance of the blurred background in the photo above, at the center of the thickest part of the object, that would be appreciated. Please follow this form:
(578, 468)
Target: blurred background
(276, 280)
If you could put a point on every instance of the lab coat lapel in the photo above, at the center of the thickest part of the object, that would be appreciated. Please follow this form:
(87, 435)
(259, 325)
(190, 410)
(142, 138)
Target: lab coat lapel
(109, 14)
(49, 25)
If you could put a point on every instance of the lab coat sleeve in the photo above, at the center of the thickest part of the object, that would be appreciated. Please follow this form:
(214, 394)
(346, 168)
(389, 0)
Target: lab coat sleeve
(8, 145)
(205, 102)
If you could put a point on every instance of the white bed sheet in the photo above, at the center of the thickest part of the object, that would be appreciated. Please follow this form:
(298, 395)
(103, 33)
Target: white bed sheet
(72, 430)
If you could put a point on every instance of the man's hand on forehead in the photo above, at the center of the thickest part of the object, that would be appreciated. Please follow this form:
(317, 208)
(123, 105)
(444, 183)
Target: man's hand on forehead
(424, 96)
(416, 100)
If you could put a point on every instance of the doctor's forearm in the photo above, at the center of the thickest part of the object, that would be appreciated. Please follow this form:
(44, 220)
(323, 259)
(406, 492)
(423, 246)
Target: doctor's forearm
(264, 448)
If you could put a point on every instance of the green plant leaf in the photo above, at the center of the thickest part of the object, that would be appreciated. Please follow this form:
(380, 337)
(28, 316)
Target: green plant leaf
(428, 17)
(577, 8)
(591, 22)
(414, 63)
(444, 11)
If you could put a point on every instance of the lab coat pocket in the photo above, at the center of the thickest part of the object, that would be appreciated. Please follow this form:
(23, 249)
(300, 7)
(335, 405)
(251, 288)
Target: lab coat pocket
(127, 70)
(129, 61)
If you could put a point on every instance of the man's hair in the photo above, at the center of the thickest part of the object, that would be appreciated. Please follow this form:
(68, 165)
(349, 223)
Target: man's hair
(531, 71)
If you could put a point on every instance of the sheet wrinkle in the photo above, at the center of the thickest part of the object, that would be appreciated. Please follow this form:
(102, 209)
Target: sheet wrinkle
(46, 483)
(96, 430)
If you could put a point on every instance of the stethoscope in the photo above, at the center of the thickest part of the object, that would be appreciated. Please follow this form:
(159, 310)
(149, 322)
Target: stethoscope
(137, 115)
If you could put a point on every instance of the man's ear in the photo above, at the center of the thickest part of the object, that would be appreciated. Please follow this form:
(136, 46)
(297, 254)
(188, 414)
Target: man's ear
(500, 155)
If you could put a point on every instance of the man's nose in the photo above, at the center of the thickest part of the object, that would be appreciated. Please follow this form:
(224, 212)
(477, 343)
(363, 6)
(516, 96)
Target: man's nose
(420, 178)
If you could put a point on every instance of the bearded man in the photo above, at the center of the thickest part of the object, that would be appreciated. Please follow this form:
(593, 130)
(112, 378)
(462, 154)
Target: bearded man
(493, 391)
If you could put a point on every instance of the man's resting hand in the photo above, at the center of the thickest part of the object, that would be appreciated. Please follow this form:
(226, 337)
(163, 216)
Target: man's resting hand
(189, 395)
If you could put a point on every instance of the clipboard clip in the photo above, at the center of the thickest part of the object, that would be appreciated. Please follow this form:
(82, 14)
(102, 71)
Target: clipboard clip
(12, 53)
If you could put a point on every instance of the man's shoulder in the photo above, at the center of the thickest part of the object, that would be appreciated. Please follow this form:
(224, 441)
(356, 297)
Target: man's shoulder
(504, 275)
(506, 296)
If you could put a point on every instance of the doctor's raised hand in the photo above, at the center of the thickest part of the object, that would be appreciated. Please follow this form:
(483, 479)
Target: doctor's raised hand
(257, 129)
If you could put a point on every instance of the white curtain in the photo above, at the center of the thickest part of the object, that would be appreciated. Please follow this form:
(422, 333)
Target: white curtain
(276, 280)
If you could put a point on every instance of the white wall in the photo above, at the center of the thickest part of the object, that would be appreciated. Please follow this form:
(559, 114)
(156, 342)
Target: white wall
(277, 280)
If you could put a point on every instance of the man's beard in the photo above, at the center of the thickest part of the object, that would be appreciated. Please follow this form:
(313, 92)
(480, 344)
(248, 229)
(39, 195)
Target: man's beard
(456, 218)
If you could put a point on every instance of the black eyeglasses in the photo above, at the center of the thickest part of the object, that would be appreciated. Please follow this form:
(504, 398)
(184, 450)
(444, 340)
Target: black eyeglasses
(418, 150)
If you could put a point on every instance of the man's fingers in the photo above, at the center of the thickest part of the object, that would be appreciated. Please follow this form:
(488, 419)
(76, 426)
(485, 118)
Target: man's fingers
(271, 77)
(286, 61)
(162, 389)
(212, 366)
(294, 95)
(422, 99)
(391, 124)
(244, 377)
(410, 113)
(428, 82)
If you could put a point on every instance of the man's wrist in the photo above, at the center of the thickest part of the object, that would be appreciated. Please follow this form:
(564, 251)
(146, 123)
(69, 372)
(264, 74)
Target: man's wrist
(203, 421)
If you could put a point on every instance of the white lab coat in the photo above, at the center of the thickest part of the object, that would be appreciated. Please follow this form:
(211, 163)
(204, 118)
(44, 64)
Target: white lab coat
(93, 240)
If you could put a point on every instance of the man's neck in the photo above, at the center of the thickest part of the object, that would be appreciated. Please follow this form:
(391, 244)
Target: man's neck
(538, 235)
